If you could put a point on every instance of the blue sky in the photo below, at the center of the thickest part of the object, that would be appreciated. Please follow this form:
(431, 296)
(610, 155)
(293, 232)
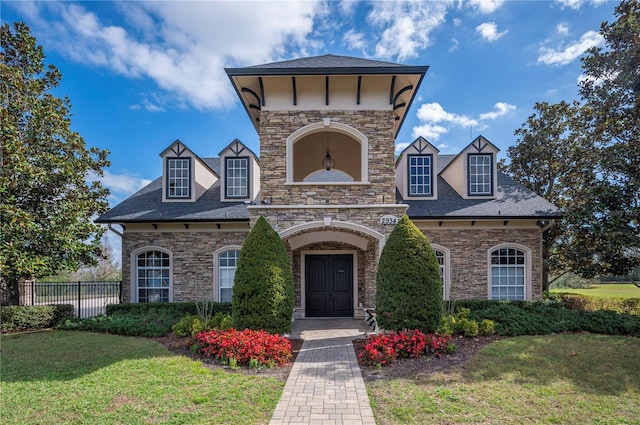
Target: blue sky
(142, 74)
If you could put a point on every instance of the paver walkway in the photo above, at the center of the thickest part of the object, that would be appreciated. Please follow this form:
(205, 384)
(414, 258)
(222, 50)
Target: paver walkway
(325, 385)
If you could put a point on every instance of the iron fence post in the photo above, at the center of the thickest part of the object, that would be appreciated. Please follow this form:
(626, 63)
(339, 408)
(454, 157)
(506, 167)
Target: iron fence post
(79, 295)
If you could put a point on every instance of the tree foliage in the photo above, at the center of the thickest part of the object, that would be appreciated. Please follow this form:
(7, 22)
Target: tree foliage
(408, 282)
(585, 157)
(47, 202)
(263, 283)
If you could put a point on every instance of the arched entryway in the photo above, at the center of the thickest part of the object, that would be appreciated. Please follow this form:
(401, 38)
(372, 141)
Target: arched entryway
(333, 267)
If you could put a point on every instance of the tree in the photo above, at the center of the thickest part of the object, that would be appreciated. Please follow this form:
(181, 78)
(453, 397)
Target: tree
(263, 283)
(408, 282)
(585, 157)
(47, 202)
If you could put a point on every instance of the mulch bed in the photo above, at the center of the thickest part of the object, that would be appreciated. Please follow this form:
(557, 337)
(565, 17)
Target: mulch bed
(466, 348)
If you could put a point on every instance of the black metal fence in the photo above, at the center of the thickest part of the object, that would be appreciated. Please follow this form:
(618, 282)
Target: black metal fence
(88, 298)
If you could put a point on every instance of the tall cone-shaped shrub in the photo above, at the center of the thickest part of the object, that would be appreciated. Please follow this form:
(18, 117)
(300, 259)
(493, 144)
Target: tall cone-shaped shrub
(409, 287)
(263, 283)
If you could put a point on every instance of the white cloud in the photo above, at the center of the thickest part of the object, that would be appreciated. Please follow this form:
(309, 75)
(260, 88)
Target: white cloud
(486, 6)
(489, 31)
(570, 52)
(182, 49)
(135, 107)
(577, 4)
(405, 26)
(401, 146)
(434, 118)
(434, 112)
(454, 45)
(121, 185)
(354, 40)
(500, 109)
(152, 107)
(562, 28)
(457, 22)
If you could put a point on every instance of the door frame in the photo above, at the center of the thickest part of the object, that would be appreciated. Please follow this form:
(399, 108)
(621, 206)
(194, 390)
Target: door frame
(303, 283)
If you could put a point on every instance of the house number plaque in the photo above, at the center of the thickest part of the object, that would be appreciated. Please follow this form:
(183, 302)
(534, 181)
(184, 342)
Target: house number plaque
(388, 219)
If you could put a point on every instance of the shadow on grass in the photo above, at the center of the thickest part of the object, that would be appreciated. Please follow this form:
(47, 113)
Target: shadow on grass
(598, 364)
(67, 355)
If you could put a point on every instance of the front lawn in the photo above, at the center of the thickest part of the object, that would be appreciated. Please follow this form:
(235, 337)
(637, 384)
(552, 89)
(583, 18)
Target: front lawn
(81, 377)
(578, 378)
(609, 290)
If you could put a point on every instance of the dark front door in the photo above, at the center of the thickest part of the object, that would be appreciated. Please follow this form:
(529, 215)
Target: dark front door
(329, 285)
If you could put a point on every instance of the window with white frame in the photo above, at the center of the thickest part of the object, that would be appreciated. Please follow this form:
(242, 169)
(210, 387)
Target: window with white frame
(178, 177)
(237, 177)
(440, 256)
(153, 270)
(508, 274)
(420, 175)
(227, 263)
(480, 174)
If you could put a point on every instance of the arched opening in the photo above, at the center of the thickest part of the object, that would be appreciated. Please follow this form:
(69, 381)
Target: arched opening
(310, 151)
(307, 149)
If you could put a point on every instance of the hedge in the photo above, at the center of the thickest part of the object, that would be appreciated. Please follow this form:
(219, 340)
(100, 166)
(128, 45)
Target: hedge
(513, 318)
(15, 318)
(592, 303)
(182, 308)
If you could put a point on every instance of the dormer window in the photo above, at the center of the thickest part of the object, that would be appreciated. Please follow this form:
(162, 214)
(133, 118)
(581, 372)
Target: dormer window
(480, 168)
(237, 177)
(178, 178)
(420, 175)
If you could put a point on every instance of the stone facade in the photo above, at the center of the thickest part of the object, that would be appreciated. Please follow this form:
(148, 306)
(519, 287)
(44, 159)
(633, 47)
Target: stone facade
(377, 126)
(192, 259)
(469, 257)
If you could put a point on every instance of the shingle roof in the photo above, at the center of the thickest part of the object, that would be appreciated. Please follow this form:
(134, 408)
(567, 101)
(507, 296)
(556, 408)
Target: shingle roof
(512, 201)
(328, 61)
(146, 205)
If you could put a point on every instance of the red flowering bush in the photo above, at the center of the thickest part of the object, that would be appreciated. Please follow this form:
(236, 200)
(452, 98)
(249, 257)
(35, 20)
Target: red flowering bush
(255, 348)
(385, 349)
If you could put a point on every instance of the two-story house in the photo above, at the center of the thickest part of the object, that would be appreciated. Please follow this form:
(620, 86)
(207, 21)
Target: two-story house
(328, 181)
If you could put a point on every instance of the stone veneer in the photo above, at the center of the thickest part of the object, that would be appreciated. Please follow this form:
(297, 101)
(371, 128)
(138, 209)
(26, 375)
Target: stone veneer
(377, 126)
(469, 252)
(192, 254)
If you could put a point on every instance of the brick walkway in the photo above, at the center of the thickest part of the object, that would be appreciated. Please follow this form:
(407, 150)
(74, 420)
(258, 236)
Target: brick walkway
(325, 385)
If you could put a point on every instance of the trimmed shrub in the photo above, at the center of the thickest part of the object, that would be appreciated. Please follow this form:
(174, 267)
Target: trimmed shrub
(16, 318)
(591, 303)
(149, 322)
(180, 309)
(543, 317)
(263, 284)
(409, 287)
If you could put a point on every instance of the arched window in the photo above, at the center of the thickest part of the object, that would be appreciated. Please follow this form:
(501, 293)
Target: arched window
(153, 276)
(440, 256)
(227, 263)
(508, 274)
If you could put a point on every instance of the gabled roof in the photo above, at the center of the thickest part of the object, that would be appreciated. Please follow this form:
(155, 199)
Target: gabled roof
(146, 206)
(238, 142)
(422, 143)
(512, 200)
(181, 148)
(479, 143)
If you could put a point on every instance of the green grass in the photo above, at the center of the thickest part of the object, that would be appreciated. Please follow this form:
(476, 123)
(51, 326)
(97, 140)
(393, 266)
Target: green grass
(87, 378)
(609, 290)
(578, 379)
